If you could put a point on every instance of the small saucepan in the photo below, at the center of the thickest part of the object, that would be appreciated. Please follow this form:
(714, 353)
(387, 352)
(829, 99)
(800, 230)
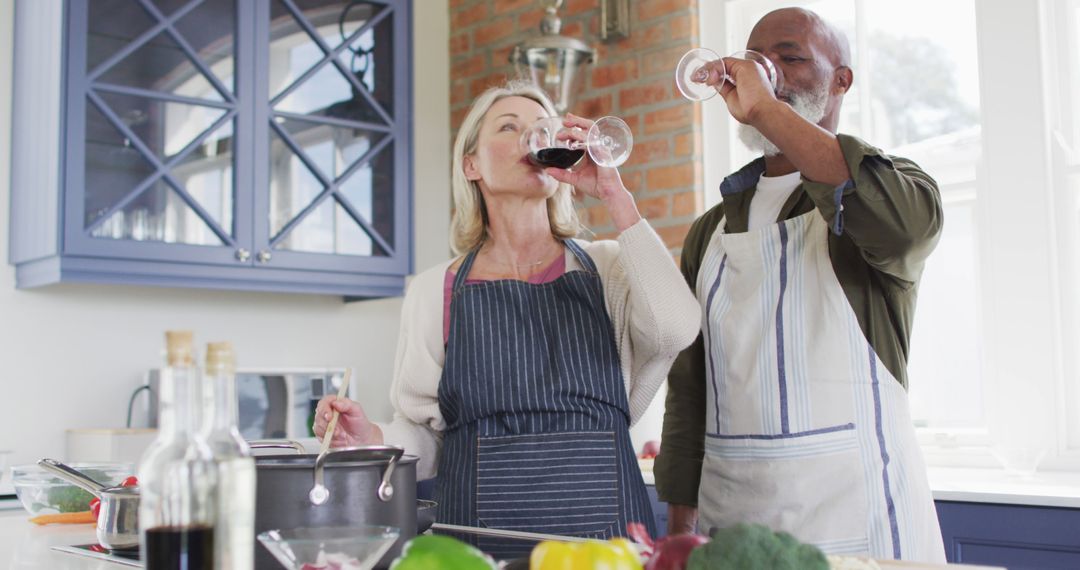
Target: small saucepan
(118, 520)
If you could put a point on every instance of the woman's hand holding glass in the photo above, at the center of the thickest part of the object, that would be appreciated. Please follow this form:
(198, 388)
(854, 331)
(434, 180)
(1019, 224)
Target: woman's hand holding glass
(609, 141)
(353, 427)
(596, 177)
(559, 145)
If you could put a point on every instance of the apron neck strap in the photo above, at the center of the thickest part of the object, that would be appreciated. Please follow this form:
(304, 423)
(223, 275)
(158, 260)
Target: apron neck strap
(466, 267)
(582, 257)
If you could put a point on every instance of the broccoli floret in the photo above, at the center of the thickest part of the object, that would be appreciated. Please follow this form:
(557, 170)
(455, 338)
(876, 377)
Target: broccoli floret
(72, 499)
(743, 546)
(69, 499)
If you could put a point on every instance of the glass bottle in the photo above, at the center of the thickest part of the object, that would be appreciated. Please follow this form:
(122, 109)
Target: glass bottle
(234, 538)
(177, 475)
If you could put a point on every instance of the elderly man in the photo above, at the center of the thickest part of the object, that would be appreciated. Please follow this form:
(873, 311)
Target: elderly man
(790, 409)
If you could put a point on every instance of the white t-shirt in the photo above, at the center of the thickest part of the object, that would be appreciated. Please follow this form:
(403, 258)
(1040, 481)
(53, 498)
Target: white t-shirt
(772, 192)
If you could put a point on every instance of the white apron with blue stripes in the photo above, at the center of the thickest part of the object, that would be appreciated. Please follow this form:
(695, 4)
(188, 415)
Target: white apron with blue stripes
(537, 420)
(806, 430)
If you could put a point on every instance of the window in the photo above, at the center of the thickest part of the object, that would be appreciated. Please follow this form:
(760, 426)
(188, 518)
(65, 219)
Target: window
(995, 338)
(1062, 46)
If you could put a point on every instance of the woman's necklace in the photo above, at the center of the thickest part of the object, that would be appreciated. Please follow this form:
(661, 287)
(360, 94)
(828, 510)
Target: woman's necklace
(546, 258)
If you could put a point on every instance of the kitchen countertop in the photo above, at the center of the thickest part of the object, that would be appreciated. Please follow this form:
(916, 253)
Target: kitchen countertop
(1042, 489)
(26, 546)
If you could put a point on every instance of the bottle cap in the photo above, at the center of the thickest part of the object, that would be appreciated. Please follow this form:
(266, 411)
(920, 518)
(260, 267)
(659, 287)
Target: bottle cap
(178, 348)
(220, 357)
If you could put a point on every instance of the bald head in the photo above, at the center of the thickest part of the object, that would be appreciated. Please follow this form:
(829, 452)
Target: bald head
(813, 56)
(800, 22)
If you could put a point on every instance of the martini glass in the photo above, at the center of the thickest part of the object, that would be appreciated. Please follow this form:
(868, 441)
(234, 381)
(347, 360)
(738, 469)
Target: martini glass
(337, 548)
(691, 73)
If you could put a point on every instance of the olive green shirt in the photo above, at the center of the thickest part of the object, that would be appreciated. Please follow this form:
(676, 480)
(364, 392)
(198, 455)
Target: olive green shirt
(884, 223)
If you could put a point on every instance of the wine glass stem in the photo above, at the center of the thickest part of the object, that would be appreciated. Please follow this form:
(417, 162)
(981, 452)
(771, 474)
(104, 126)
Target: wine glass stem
(605, 142)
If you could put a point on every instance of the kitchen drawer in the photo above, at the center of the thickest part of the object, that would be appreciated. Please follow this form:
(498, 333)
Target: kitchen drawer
(1014, 536)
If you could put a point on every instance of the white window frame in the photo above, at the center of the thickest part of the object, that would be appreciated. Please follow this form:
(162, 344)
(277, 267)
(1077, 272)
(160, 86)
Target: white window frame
(1061, 24)
(1030, 340)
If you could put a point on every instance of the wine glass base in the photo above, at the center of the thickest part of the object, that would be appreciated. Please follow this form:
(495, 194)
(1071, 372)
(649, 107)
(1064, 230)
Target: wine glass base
(610, 141)
(688, 77)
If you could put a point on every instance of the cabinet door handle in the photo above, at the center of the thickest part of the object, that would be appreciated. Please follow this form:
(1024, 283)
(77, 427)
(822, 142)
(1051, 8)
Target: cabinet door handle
(242, 255)
(263, 256)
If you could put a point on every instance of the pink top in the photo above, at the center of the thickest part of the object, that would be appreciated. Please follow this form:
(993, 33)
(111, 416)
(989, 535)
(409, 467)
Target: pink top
(551, 273)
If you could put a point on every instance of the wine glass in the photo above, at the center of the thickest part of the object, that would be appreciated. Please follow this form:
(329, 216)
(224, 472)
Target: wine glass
(551, 143)
(690, 74)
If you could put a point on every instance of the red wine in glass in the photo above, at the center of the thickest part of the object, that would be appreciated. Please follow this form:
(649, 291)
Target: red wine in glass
(557, 157)
(548, 142)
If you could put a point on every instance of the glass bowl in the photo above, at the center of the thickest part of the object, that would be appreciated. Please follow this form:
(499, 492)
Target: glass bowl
(329, 548)
(4, 454)
(41, 492)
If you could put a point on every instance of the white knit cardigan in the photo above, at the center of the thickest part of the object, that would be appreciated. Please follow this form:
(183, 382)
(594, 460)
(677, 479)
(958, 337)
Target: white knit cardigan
(653, 311)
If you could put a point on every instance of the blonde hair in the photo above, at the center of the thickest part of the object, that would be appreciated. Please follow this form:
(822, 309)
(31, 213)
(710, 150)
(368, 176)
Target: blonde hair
(469, 225)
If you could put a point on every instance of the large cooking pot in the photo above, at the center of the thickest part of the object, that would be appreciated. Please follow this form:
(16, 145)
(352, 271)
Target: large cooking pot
(350, 486)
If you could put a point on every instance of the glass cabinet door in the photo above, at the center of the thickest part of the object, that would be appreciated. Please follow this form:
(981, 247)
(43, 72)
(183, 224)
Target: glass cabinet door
(265, 133)
(334, 145)
(157, 147)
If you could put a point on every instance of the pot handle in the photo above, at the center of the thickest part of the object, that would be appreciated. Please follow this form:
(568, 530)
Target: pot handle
(389, 452)
(277, 444)
(72, 476)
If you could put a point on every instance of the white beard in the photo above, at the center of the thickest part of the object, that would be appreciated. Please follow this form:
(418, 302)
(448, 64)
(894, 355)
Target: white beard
(810, 105)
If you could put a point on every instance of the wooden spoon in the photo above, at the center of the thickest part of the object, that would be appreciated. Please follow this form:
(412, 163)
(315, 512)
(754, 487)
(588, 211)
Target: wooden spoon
(342, 391)
(319, 493)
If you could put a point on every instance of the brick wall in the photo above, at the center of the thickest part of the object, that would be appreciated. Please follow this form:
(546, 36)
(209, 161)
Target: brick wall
(632, 79)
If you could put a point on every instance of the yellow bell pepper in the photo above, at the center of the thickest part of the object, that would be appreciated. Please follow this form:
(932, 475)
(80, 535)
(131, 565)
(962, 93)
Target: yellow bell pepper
(617, 554)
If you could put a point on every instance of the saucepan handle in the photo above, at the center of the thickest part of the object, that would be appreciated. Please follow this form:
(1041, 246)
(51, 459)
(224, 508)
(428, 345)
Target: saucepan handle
(72, 476)
(278, 444)
(391, 453)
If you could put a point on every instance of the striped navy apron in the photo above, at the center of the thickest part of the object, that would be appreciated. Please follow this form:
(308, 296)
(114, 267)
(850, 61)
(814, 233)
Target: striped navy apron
(537, 421)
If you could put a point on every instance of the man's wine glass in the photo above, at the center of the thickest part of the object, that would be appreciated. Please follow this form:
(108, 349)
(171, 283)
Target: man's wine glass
(691, 73)
(551, 143)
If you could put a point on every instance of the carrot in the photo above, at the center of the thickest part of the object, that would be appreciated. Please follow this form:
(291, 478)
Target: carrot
(81, 517)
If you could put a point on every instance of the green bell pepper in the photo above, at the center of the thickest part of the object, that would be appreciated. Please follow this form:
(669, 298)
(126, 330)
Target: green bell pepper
(435, 552)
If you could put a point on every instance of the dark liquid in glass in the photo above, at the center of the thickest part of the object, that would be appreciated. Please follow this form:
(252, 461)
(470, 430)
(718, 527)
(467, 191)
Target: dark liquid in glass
(557, 157)
(180, 548)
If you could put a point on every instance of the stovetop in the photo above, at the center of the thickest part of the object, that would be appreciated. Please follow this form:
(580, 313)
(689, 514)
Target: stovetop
(123, 557)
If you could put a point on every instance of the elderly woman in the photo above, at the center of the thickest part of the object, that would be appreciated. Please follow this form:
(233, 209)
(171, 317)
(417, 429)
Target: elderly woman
(522, 364)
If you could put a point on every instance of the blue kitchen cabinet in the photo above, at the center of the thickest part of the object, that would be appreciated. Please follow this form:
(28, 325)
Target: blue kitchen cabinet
(236, 144)
(660, 514)
(1013, 536)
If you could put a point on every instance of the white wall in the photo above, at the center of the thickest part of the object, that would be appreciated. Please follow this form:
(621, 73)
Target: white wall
(70, 355)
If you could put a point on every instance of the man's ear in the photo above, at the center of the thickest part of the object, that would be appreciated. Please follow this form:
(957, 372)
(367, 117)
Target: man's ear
(468, 163)
(843, 77)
